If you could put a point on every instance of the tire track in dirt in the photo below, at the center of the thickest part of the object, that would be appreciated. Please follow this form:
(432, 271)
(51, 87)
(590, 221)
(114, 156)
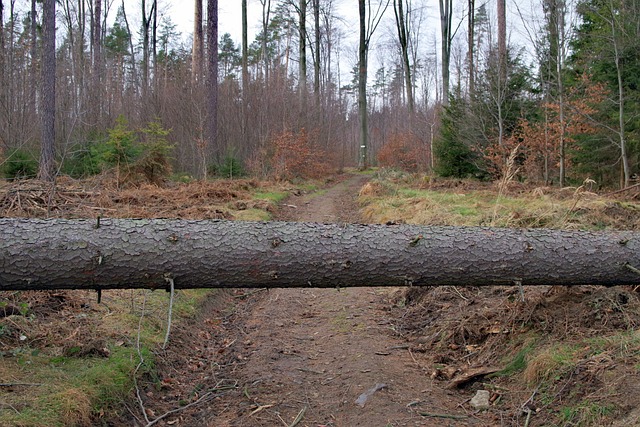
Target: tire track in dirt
(311, 353)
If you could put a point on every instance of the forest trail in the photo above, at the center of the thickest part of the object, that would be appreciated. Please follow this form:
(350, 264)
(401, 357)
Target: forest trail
(310, 354)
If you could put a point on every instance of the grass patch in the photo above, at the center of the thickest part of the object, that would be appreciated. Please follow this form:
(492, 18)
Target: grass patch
(272, 196)
(252, 215)
(69, 386)
(586, 414)
(412, 200)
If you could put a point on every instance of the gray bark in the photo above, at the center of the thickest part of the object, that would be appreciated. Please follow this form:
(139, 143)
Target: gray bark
(124, 253)
(47, 167)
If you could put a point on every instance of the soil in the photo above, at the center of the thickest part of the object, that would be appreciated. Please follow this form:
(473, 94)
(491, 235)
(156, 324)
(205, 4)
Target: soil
(328, 357)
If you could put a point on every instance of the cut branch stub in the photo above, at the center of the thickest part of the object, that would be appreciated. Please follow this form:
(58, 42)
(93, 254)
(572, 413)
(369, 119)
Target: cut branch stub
(127, 253)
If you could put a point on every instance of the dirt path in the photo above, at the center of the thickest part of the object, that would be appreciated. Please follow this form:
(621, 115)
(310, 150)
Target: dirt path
(310, 354)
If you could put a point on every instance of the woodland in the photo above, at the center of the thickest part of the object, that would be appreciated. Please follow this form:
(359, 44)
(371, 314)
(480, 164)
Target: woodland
(119, 114)
(451, 89)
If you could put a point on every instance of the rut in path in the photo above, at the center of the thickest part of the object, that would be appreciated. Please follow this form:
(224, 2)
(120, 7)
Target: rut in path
(311, 353)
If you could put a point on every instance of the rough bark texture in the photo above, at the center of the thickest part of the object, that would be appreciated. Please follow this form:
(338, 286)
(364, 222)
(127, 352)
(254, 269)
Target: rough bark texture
(47, 168)
(74, 254)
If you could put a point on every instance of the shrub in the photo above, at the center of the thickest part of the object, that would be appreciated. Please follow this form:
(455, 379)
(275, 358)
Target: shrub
(20, 164)
(294, 156)
(231, 167)
(403, 151)
(121, 147)
(154, 162)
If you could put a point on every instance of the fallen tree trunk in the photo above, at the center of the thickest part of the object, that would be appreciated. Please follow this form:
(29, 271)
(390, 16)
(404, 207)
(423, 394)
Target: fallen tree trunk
(122, 253)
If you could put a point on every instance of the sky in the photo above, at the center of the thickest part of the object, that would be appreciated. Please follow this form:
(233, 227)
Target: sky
(230, 15)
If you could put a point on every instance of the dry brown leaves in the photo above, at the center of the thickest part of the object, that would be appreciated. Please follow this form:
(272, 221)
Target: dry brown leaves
(69, 198)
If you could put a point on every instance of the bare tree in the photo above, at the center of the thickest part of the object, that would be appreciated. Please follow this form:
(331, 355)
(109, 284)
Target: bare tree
(402, 25)
(368, 24)
(47, 171)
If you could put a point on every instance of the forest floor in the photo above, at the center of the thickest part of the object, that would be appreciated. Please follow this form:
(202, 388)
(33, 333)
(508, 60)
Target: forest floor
(386, 357)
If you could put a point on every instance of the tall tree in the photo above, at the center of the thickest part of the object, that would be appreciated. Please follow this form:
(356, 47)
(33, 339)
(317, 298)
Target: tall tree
(446, 14)
(47, 171)
(147, 29)
(368, 24)
(502, 34)
(245, 49)
(198, 43)
(316, 61)
(33, 20)
(212, 82)
(471, 25)
(607, 45)
(402, 25)
(302, 47)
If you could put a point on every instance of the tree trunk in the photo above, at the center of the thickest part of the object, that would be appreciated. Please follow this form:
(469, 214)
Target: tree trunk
(47, 169)
(362, 88)
(245, 51)
(198, 43)
(446, 12)
(212, 81)
(402, 25)
(316, 62)
(302, 47)
(125, 253)
(471, 43)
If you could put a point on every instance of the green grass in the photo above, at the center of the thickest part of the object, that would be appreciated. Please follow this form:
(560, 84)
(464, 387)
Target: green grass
(586, 413)
(272, 196)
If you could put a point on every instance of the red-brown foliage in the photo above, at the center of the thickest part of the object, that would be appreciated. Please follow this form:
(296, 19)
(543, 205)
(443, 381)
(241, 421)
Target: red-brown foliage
(290, 155)
(404, 151)
(540, 141)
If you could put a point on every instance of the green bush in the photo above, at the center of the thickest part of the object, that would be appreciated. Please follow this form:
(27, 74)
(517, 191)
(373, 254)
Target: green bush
(84, 162)
(20, 164)
(154, 162)
(231, 167)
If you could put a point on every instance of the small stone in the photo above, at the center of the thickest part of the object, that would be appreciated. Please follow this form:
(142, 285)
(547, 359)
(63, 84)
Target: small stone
(480, 401)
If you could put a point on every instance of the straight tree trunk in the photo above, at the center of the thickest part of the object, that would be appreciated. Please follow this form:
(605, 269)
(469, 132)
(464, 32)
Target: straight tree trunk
(446, 13)
(316, 62)
(362, 88)
(402, 27)
(125, 253)
(212, 81)
(35, 76)
(471, 43)
(302, 47)
(198, 43)
(245, 50)
(47, 170)
(502, 39)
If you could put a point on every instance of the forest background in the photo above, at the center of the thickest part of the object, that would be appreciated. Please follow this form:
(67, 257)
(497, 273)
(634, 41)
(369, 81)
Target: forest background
(88, 86)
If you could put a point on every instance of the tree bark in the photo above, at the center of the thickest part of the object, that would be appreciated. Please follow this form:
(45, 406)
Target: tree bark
(124, 253)
(198, 44)
(362, 88)
(47, 168)
(212, 81)
(402, 24)
(446, 13)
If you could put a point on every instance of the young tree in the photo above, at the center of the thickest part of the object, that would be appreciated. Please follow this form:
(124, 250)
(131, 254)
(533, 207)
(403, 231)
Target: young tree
(47, 170)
